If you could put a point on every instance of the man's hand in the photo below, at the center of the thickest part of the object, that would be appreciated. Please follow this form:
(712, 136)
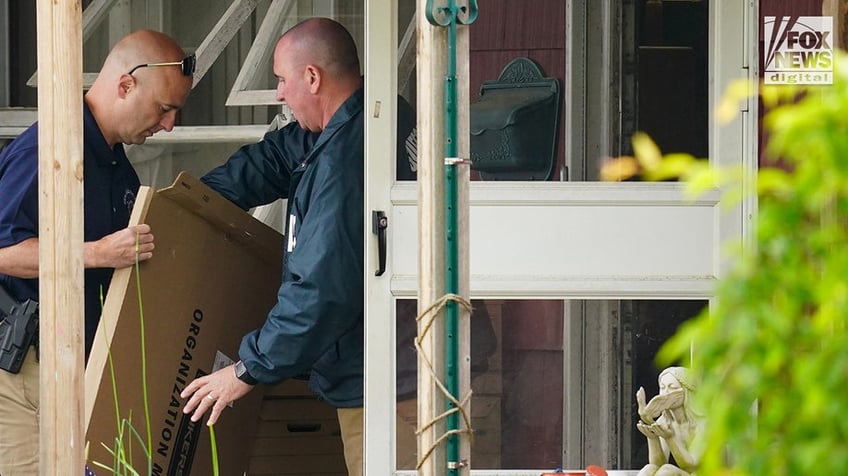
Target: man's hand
(120, 249)
(215, 391)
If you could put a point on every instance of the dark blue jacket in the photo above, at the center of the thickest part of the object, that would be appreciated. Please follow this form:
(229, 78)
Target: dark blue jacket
(258, 174)
(316, 326)
(317, 323)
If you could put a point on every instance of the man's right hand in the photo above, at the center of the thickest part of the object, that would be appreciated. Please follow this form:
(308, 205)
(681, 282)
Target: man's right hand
(121, 248)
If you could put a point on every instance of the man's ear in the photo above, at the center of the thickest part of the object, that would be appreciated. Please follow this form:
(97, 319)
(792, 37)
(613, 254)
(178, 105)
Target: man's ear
(313, 78)
(125, 84)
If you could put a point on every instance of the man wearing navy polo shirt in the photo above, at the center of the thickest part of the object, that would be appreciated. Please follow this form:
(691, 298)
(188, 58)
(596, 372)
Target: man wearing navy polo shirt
(144, 81)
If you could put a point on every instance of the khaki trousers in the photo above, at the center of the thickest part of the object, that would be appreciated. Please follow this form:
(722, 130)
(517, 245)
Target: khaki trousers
(19, 419)
(351, 424)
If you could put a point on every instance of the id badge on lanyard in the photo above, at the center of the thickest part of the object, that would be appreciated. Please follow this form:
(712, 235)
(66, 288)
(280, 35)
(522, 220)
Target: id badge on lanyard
(294, 182)
(291, 222)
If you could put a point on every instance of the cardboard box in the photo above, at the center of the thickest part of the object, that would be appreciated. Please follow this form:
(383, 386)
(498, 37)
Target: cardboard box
(298, 434)
(213, 278)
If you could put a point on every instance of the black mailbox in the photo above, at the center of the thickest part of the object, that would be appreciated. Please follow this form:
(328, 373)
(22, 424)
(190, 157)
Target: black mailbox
(514, 124)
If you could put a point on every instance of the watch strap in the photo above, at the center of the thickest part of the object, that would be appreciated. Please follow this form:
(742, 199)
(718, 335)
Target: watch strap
(243, 374)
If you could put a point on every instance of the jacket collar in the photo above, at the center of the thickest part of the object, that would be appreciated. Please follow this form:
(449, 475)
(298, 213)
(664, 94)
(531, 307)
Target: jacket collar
(346, 112)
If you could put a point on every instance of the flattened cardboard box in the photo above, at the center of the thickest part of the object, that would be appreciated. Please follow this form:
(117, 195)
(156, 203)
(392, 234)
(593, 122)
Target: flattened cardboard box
(213, 277)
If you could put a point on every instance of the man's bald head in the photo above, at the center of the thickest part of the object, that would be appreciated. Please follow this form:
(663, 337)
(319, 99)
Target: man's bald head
(141, 47)
(324, 43)
(129, 108)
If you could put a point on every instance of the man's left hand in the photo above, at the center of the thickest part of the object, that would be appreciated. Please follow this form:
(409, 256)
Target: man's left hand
(216, 391)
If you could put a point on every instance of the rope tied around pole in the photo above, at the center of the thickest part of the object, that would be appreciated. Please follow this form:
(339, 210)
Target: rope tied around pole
(428, 317)
(450, 14)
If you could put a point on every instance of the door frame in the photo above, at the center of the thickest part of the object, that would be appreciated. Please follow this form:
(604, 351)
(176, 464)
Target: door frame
(730, 144)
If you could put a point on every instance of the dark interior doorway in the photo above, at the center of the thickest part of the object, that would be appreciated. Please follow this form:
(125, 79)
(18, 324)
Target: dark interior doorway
(671, 74)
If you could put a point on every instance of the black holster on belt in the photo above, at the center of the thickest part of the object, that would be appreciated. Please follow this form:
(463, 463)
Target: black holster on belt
(18, 330)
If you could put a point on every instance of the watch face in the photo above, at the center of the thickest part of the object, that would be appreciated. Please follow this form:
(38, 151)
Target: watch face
(243, 375)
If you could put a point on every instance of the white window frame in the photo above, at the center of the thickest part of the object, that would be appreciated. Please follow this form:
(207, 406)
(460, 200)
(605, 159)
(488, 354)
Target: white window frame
(731, 144)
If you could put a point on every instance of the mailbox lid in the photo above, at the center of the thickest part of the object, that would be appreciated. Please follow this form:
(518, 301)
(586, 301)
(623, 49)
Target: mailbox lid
(500, 108)
(513, 126)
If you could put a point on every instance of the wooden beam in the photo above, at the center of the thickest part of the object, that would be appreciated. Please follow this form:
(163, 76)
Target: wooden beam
(60, 177)
(432, 64)
(120, 22)
(93, 15)
(838, 9)
(13, 121)
(10, 132)
(254, 97)
(87, 80)
(263, 45)
(210, 134)
(220, 35)
(242, 93)
(91, 18)
(153, 13)
(406, 56)
(432, 68)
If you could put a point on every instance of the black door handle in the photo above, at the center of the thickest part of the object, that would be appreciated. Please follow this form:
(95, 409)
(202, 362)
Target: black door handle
(379, 223)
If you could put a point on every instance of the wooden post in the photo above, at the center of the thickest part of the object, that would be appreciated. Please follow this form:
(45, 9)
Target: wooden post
(60, 215)
(432, 67)
(838, 9)
(432, 64)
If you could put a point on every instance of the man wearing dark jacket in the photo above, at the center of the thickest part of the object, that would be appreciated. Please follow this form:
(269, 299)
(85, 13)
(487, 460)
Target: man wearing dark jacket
(317, 324)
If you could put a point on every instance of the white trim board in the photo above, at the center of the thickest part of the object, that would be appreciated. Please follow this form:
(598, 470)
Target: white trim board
(600, 240)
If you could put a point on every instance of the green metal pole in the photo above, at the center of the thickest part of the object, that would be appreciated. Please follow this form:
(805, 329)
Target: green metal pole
(449, 16)
(451, 248)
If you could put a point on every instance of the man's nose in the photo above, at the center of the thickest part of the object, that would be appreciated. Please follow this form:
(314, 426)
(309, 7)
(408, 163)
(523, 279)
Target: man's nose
(280, 96)
(169, 120)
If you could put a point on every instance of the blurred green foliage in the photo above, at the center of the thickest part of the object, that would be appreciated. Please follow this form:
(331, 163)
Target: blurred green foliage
(771, 354)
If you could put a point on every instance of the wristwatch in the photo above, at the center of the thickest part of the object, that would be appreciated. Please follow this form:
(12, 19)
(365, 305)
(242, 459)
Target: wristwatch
(243, 374)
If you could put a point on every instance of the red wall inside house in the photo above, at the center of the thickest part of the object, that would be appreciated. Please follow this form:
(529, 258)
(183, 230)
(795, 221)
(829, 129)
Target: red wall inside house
(506, 30)
(789, 8)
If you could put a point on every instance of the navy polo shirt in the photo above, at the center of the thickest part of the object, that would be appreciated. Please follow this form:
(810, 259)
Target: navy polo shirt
(110, 189)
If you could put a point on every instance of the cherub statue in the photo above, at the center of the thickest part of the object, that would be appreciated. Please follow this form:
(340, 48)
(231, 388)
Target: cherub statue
(670, 425)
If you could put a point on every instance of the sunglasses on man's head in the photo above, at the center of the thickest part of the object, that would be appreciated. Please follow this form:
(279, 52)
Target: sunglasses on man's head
(187, 65)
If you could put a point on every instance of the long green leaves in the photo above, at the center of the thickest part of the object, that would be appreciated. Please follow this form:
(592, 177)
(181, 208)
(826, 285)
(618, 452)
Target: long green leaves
(144, 364)
(121, 451)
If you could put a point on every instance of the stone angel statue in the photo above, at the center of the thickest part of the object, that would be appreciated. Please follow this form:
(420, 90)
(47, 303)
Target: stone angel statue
(670, 425)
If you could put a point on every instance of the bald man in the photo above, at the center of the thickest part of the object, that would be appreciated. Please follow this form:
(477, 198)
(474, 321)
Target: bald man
(316, 327)
(144, 81)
